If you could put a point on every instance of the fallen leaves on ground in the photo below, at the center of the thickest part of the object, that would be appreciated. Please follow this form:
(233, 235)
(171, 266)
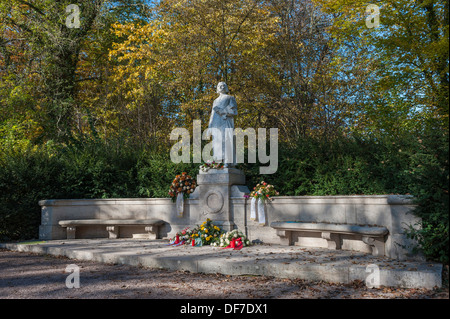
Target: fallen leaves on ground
(44, 277)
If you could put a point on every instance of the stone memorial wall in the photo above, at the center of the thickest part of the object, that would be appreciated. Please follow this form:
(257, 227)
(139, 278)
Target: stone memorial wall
(220, 197)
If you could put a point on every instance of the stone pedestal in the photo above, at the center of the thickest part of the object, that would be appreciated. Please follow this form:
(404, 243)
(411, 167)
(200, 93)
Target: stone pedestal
(215, 189)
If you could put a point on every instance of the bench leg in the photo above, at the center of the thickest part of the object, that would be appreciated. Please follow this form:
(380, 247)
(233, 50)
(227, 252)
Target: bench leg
(153, 231)
(113, 231)
(377, 245)
(333, 240)
(285, 237)
(71, 232)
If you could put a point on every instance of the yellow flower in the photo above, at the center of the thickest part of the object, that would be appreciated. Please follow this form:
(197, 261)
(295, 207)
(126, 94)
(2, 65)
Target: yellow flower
(206, 231)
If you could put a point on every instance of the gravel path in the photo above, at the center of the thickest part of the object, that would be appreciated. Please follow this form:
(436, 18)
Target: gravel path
(26, 275)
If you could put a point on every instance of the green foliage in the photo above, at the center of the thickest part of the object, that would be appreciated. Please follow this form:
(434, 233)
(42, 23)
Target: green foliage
(155, 173)
(430, 170)
(25, 178)
(346, 166)
(85, 170)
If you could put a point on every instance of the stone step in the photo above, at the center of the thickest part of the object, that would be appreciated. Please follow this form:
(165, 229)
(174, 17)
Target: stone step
(313, 264)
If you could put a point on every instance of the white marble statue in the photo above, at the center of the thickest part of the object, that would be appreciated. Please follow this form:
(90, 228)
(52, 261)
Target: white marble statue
(223, 110)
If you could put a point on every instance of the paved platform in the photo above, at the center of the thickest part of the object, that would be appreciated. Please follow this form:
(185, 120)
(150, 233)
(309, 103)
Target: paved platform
(314, 264)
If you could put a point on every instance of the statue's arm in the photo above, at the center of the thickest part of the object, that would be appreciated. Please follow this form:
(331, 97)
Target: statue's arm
(227, 108)
(219, 110)
(232, 107)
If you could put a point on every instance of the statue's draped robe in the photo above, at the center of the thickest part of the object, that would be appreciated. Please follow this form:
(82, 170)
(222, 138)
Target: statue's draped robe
(223, 110)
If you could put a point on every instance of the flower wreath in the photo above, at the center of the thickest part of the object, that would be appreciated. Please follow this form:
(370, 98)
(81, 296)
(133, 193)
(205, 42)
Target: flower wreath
(263, 191)
(182, 184)
(211, 165)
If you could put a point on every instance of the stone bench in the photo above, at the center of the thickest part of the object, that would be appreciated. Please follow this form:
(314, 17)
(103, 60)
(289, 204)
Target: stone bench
(374, 236)
(113, 225)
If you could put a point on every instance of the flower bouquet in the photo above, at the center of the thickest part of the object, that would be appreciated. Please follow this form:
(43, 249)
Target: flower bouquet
(206, 234)
(233, 239)
(211, 165)
(181, 237)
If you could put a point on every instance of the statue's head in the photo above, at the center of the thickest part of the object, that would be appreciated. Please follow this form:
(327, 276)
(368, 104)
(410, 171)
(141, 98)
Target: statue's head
(222, 87)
